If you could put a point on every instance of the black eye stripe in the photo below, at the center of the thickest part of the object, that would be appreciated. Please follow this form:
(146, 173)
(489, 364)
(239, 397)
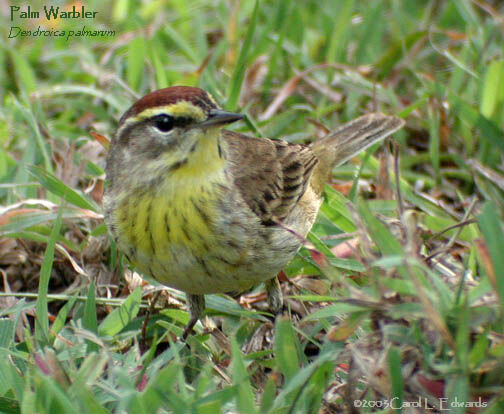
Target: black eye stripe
(183, 121)
(165, 122)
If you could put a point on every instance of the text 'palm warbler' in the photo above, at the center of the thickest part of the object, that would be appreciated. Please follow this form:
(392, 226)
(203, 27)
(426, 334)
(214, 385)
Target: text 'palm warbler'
(206, 210)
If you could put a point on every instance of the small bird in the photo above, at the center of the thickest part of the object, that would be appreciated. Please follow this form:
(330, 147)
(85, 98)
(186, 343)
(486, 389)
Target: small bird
(206, 210)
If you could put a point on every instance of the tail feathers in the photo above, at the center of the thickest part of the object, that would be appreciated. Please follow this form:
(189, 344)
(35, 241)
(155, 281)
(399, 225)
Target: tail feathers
(349, 140)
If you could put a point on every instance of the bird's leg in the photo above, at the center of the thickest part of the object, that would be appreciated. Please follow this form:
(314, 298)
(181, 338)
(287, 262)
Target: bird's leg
(196, 306)
(274, 295)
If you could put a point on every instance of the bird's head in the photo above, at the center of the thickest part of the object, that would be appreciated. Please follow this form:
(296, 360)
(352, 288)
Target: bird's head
(176, 127)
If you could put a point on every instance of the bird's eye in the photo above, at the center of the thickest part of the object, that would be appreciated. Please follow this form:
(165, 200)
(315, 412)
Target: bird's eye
(163, 122)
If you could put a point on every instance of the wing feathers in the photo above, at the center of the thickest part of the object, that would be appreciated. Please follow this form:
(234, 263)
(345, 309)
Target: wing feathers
(271, 175)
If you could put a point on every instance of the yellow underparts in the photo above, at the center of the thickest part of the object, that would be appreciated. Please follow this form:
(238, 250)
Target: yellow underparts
(180, 211)
(163, 220)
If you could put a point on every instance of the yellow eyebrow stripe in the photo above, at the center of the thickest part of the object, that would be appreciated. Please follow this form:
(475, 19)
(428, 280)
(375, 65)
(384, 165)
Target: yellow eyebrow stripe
(179, 109)
(182, 109)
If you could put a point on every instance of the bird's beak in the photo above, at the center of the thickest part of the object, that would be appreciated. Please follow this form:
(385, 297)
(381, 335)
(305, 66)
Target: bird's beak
(219, 117)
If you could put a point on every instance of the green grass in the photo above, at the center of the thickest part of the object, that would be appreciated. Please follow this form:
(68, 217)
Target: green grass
(414, 311)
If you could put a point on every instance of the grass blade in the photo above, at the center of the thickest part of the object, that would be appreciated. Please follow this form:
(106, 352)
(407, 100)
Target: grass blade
(90, 321)
(58, 187)
(285, 348)
(245, 395)
(396, 379)
(119, 318)
(41, 310)
(489, 130)
(136, 58)
(239, 72)
(491, 228)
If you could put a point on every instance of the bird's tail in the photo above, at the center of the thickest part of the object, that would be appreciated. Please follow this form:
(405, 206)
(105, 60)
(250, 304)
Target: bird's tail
(347, 141)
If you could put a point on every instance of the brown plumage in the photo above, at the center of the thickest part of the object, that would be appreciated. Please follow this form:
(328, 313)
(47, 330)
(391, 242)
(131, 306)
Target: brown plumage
(215, 210)
(278, 172)
(276, 177)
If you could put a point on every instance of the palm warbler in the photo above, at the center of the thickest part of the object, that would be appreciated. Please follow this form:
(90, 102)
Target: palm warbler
(206, 210)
